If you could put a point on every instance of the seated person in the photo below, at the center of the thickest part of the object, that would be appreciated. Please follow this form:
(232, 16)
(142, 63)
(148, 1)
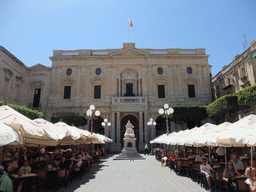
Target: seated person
(64, 164)
(50, 164)
(25, 169)
(173, 159)
(230, 174)
(5, 181)
(13, 165)
(238, 165)
(200, 156)
(86, 157)
(191, 155)
(251, 180)
(163, 159)
(206, 169)
(78, 163)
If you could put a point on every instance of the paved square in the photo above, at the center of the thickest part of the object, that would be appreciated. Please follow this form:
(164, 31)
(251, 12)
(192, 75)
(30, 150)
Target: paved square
(124, 175)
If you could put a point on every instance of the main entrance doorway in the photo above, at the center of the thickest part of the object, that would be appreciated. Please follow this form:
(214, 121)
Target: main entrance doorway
(135, 123)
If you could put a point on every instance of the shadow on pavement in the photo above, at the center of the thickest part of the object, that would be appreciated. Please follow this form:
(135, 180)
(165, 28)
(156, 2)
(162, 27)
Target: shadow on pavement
(77, 182)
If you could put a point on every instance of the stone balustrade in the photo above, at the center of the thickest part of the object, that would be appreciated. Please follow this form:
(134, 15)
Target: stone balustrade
(129, 100)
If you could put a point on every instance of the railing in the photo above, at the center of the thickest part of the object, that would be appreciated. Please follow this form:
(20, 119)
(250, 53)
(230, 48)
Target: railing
(158, 52)
(129, 100)
(70, 53)
(99, 53)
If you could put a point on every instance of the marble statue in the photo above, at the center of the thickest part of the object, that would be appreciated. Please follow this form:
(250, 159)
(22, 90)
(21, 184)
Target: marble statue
(129, 133)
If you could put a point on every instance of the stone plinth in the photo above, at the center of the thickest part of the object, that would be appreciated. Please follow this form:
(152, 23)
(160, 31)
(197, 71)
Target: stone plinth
(129, 151)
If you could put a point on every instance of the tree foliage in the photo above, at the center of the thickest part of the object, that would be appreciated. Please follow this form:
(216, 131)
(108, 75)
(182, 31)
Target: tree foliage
(31, 114)
(183, 113)
(76, 120)
(247, 96)
(224, 104)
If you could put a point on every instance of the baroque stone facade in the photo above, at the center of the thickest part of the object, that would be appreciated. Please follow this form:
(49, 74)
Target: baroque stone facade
(124, 84)
(239, 74)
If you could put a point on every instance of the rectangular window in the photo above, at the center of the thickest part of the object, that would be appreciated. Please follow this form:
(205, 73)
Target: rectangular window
(129, 89)
(97, 91)
(36, 101)
(243, 72)
(161, 91)
(67, 92)
(191, 91)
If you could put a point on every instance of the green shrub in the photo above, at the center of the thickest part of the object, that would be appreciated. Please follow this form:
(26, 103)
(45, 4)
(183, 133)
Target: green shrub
(247, 96)
(76, 120)
(222, 105)
(31, 114)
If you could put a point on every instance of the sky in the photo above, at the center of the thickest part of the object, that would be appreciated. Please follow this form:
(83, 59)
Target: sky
(32, 29)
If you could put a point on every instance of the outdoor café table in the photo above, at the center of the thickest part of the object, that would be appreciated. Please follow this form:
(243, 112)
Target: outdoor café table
(25, 178)
(216, 167)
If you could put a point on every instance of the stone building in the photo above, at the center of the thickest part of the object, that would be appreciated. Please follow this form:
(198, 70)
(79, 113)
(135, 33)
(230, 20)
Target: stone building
(123, 84)
(240, 73)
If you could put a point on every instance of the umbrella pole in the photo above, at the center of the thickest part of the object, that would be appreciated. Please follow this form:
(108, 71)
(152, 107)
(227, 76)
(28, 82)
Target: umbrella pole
(251, 156)
(210, 160)
(226, 157)
(184, 151)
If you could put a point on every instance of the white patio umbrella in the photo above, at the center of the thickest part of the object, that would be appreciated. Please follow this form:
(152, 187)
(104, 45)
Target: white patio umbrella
(8, 136)
(160, 139)
(32, 134)
(68, 134)
(195, 136)
(238, 133)
(50, 129)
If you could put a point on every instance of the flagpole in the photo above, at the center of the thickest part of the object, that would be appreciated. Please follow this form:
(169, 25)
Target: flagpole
(128, 30)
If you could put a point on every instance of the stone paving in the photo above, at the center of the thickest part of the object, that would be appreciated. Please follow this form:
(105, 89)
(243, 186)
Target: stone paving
(124, 175)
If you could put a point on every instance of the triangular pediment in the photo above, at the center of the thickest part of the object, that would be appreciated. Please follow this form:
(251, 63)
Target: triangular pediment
(39, 66)
(129, 53)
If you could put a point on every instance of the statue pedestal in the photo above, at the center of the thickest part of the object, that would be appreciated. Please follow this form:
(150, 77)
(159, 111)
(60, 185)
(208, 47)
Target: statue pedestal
(129, 151)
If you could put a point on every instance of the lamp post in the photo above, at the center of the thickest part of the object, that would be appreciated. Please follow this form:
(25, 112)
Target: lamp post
(165, 113)
(106, 124)
(150, 123)
(92, 116)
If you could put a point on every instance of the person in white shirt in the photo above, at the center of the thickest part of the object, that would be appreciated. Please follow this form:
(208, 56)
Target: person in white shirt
(78, 163)
(206, 169)
(221, 153)
(238, 165)
(251, 180)
(200, 156)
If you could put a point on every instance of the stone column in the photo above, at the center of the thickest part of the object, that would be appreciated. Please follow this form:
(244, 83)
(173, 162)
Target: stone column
(118, 131)
(141, 144)
(112, 127)
(146, 119)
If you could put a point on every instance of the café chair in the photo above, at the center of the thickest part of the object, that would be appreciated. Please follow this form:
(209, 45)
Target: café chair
(241, 186)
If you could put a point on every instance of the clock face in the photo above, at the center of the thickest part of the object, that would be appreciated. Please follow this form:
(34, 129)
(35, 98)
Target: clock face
(189, 70)
(69, 71)
(98, 71)
(160, 70)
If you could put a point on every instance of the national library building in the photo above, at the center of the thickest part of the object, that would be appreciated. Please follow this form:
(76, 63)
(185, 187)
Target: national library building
(123, 84)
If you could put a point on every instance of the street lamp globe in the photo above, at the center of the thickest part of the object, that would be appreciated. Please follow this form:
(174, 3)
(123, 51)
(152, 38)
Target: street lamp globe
(161, 111)
(92, 107)
(105, 120)
(151, 119)
(109, 124)
(154, 123)
(97, 113)
(89, 113)
(166, 106)
(103, 124)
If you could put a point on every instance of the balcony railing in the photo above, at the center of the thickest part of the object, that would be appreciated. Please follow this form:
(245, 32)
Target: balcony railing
(129, 100)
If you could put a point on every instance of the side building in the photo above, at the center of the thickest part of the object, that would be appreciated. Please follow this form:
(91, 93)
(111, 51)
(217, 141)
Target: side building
(239, 74)
(123, 84)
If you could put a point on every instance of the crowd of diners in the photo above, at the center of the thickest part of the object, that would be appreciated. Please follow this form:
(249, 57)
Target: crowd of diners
(23, 161)
(227, 168)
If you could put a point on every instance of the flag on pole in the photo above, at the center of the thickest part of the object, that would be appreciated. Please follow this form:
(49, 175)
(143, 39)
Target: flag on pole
(130, 22)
